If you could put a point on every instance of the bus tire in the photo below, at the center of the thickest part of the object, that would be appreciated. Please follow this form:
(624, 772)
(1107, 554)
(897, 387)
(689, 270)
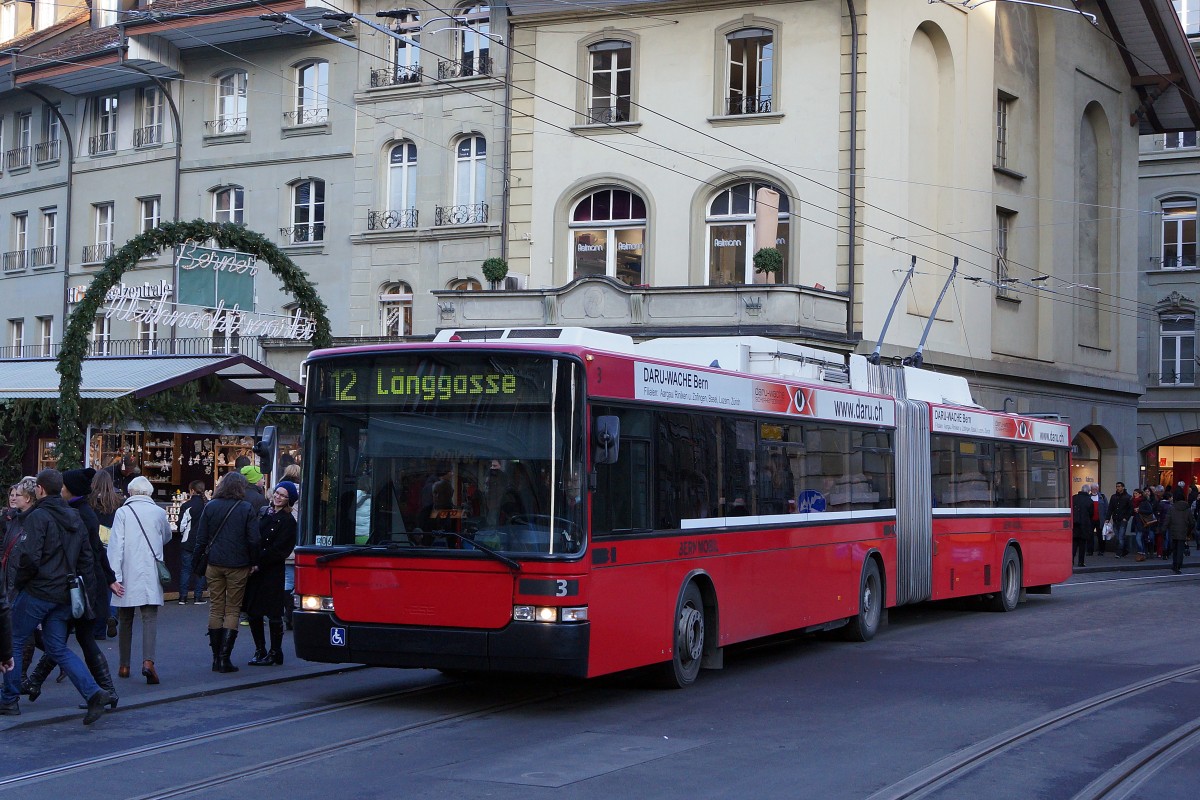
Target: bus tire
(865, 625)
(1010, 583)
(687, 641)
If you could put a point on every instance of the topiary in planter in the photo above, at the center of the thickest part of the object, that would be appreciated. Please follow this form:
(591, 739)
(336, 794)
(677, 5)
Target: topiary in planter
(494, 270)
(768, 260)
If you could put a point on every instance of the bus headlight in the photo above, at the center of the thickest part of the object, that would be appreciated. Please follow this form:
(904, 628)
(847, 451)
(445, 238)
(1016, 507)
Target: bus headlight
(315, 602)
(549, 614)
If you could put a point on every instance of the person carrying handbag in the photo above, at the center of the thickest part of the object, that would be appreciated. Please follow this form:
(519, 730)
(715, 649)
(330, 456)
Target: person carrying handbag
(227, 545)
(140, 530)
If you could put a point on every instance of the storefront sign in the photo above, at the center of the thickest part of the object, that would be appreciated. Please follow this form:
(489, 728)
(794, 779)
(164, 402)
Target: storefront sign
(228, 320)
(147, 291)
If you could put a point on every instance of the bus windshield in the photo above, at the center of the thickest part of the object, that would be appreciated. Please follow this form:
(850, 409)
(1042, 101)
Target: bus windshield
(438, 450)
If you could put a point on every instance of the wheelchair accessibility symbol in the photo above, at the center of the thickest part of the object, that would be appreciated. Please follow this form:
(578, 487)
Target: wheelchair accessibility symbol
(337, 637)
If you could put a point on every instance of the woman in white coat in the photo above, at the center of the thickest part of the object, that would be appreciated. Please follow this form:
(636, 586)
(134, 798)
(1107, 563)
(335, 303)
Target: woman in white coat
(139, 532)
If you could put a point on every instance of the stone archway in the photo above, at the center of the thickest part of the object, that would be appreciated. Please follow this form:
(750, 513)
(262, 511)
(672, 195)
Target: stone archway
(167, 235)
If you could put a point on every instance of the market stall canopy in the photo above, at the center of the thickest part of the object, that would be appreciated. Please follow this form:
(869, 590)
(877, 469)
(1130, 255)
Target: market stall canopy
(243, 379)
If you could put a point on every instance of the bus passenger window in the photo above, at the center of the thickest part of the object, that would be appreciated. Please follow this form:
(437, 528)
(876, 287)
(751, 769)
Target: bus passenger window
(622, 498)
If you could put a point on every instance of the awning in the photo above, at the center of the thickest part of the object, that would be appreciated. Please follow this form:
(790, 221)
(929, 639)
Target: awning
(244, 379)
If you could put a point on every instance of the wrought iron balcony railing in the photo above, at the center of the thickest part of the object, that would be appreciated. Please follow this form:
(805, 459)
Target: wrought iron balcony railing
(95, 253)
(15, 260)
(1186, 378)
(102, 143)
(222, 125)
(18, 157)
(382, 220)
(465, 68)
(306, 116)
(46, 256)
(46, 151)
(148, 135)
(303, 234)
(475, 214)
(249, 346)
(602, 114)
(400, 76)
(748, 104)
(1179, 262)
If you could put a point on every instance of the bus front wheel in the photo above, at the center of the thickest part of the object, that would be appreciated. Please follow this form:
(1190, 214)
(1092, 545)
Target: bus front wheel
(863, 627)
(687, 641)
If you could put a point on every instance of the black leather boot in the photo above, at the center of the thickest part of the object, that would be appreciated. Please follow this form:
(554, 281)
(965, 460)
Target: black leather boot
(98, 666)
(38, 676)
(224, 664)
(260, 644)
(214, 641)
(275, 654)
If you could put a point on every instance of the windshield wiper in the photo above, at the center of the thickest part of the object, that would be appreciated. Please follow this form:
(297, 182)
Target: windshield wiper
(353, 551)
(515, 566)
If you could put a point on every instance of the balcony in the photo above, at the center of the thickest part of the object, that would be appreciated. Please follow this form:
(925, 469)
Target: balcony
(1185, 379)
(249, 346)
(400, 76)
(18, 158)
(102, 143)
(15, 261)
(43, 256)
(96, 253)
(465, 68)
(225, 125)
(474, 214)
(148, 136)
(607, 114)
(45, 152)
(387, 220)
(748, 104)
(304, 234)
(306, 116)
(1179, 262)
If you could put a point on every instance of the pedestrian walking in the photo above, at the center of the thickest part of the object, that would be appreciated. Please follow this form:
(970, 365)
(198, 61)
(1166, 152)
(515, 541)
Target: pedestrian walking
(1120, 510)
(265, 589)
(1081, 523)
(52, 551)
(21, 497)
(77, 485)
(140, 531)
(1099, 514)
(1180, 525)
(227, 544)
(1148, 520)
(105, 500)
(189, 523)
(291, 474)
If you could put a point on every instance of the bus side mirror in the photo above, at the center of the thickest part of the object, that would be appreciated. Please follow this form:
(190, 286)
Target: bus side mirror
(608, 437)
(265, 447)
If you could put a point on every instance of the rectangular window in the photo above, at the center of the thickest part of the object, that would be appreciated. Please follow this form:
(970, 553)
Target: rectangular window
(104, 223)
(104, 126)
(101, 335)
(1004, 225)
(16, 258)
(1189, 15)
(312, 94)
(1180, 140)
(150, 213)
(1177, 348)
(151, 112)
(46, 253)
(16, 336)
(21, 154)
(51, 127)
(45, 343)
(24, 130)
(228, 205)
(751, 76)
(611, 82)
(232, 91)
(308, 211)
(147, 337)
(1003, 106)
(984, 473)
(1179, 234)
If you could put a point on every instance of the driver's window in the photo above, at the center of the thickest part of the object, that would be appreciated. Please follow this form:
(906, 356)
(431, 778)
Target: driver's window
(622, 499)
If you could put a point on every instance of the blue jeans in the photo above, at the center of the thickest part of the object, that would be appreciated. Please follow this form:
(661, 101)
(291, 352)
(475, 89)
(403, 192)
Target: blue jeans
(186, 575)
(1119, 529)
(27, 613)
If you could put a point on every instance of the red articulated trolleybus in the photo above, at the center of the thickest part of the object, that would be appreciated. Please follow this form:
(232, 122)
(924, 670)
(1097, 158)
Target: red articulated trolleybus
(563, 500)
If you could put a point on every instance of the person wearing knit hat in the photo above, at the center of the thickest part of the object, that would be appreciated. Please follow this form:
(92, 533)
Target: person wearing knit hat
(254, 489)
(253, 474)
(79, 481)
(265, 594)
(293, 491)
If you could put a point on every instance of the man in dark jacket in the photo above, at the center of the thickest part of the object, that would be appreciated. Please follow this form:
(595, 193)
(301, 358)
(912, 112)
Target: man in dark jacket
(54, 548)
(6, 651)
(1081, 528)
(1120, 509)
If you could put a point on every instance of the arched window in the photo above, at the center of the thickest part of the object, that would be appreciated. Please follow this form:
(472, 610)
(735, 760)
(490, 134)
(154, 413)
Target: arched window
(750, 78)
(464, 285)
(470, 170)
(395, 309)
(402, 178)
(312, 93)
(610, 81)
(308, 211)
(731, 244)
(1179, 233)
(228, 205)
(608, 236)
(232, 88)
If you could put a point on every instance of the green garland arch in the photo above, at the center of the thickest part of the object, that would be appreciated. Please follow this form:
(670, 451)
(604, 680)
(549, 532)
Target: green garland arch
(167, 235)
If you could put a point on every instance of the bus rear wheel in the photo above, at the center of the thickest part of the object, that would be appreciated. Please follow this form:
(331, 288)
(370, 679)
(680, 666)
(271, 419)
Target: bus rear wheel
(1010, 584)
(687, 641)
(863, 627)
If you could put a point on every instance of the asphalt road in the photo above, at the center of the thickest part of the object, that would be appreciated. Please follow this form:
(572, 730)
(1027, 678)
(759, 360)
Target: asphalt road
(1093, 691)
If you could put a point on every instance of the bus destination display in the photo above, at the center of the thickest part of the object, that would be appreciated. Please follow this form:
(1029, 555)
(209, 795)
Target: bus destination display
(426, 382)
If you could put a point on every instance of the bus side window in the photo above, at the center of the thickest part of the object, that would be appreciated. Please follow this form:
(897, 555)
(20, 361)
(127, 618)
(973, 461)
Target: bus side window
(622, 498)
